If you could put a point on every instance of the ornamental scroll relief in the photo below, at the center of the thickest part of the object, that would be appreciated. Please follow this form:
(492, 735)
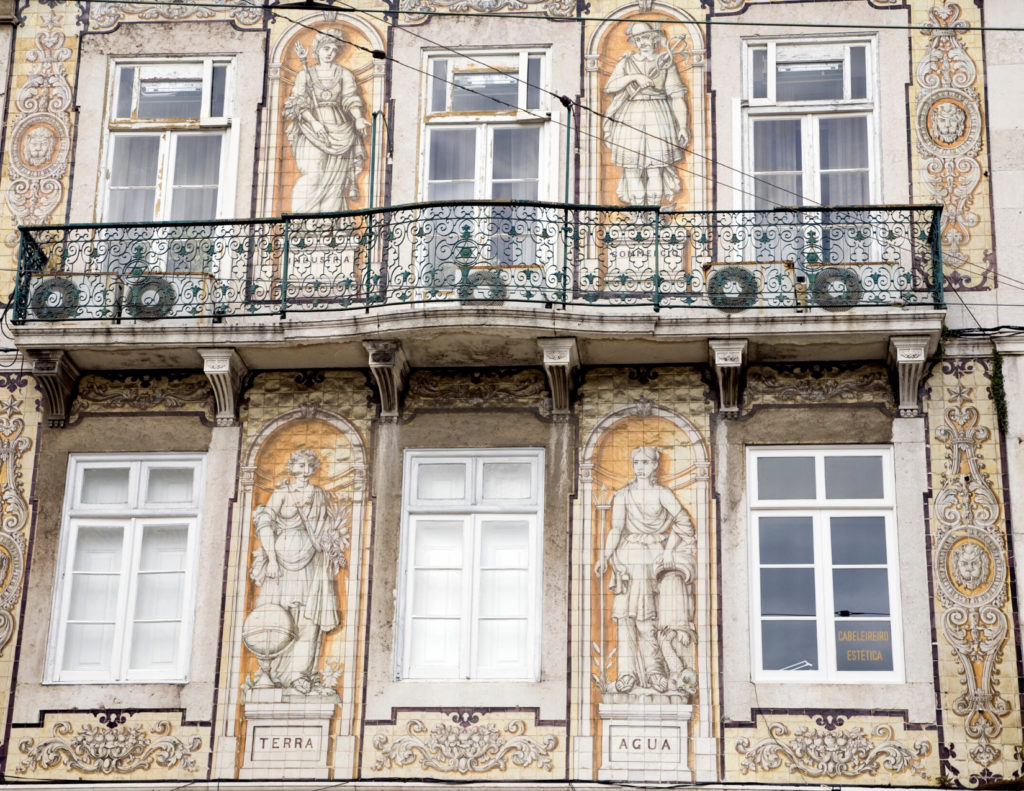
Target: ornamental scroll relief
(110, 748)
(831, 753)
(41, 131)
(970, 573)
(418, 10)
(106, 16)
(465, 747)
(949, 131)
(13, 446)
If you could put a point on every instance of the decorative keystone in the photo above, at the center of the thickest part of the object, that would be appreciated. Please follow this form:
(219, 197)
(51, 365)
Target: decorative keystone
(58, 376)
(391, 371)
(225, 370)
(560, 361)
(728, 358)
(907, 356)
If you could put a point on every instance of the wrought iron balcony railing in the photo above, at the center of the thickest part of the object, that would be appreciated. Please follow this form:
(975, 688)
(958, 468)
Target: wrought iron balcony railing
(482, 253)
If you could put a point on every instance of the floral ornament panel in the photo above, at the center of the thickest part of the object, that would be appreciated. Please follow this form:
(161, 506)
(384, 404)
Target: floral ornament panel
(106, 16)
(14, 512)
(464, 746)
(970, 570)
(153, 749)
(949, 126)
(832, 753)
(143, 393)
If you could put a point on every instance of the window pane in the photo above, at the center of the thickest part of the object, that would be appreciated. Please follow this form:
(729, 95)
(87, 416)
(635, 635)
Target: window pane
(503, 594)
(845, 188)
(88, 646)
(507, 480)
(858, 540)
(131, 205)
(532, 83)
(452, 154)
(843, 142)
(485, 91)
(434, 645)
(450, 190)
(441, 482)
(854, 478)
(217, 90)
(134, 163)
(155, 646)
(125, 89)
(860, 592)
(516, 153)
(170, 98)
(779, 189)
(93, 597)
(785, 539)
(436, 593)
(502, 644)
(197, 160)
(159, 596)
(777, 145)
(785, 478)
(801, 82)
(98, 549)
(439, 86)
(170, 485)
(789, 645)
(438, 545)
(163, 548)
(863, 645)
(787, 591)
(858, 73)
(759, 67)
(504, 544)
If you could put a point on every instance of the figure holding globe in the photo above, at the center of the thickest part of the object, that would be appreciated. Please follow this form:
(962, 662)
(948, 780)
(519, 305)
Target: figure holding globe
(303, 531)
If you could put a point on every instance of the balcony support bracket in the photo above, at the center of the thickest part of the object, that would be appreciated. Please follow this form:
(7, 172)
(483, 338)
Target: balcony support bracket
(225, 370)
(390, 371)
(907, 356)
(58, 376)
(729, 359)
(561, 359)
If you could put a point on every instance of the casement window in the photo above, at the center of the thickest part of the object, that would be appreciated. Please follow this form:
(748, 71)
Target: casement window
(825, 587)
(471, 544)
(487, 138)
(126, 590)
(169, 141)
(810, 123)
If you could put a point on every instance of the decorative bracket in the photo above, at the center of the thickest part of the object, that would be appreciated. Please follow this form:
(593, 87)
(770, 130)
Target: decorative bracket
(225, 370)
(907, 356)
(390, 370)
(561, 359)
(58, 376)
(728, 358)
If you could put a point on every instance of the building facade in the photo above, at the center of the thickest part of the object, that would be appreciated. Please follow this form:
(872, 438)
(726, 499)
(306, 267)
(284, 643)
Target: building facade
(534, 392)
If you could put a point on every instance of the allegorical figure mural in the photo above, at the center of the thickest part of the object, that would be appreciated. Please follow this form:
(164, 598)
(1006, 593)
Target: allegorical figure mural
(303, 532)
(326, 129)
(651, 552)
(647, 124)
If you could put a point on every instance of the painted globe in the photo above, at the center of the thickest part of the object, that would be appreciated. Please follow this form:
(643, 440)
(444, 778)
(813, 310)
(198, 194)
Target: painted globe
(268, 630)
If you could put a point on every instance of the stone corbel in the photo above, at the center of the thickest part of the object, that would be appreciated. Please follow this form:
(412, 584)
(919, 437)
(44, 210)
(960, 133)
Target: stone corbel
(907, 356)
(729, 358)
(225, 370)
(561, 360)
(390, 370)
(57, 375)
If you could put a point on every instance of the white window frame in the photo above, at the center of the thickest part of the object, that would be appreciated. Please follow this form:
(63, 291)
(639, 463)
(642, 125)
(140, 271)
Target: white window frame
(485, 122)
(473, 509)
(820, 510)
(131, 518)
(170, 129)
(810, 111)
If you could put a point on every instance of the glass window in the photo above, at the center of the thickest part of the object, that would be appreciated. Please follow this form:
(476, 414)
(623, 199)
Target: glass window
(472, 569)
(823, 546)
(128, 548)
(161, 166)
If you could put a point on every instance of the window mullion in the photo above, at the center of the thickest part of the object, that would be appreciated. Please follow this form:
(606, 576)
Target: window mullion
(470, 591)
(771, 68)
(130, 546)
